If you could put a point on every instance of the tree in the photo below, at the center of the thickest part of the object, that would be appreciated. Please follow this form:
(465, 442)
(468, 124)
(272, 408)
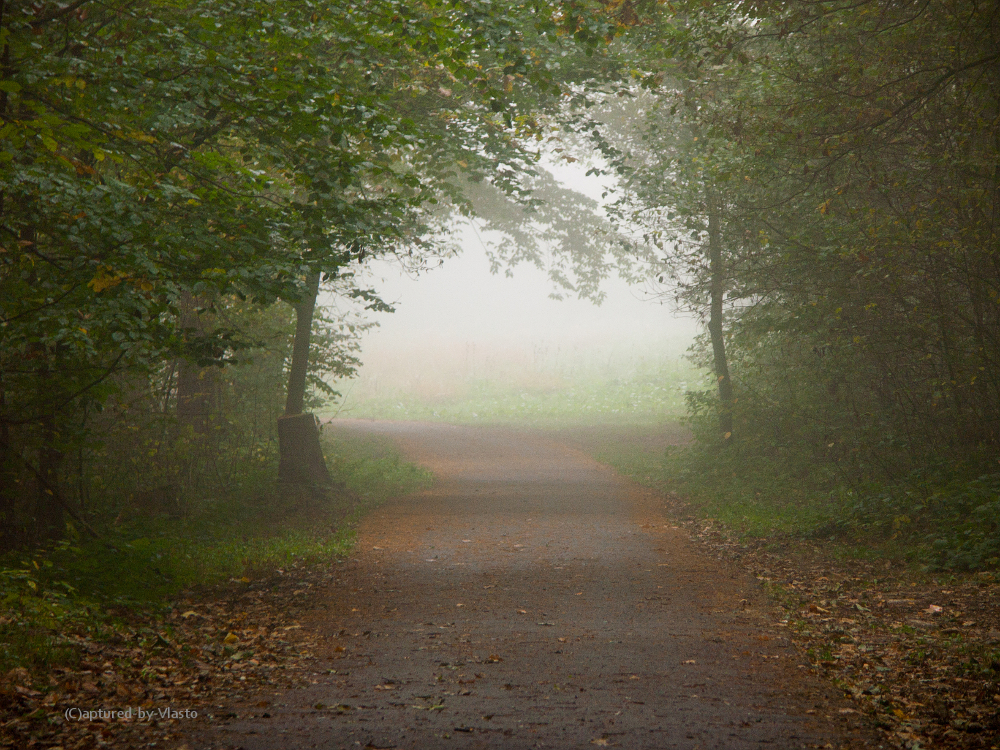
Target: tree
(852, 150)
(154, 153)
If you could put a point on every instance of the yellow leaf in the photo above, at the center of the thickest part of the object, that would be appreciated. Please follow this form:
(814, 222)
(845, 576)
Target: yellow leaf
(105, 279)
(231, 639)
(142, 137)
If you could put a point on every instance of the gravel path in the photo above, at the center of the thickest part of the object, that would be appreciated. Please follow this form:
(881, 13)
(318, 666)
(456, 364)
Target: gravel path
(531, 598)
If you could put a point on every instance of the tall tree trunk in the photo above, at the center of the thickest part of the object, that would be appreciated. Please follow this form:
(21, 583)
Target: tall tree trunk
(8, 475)
(9, 528)
(300, 349)
(715, 330)
(50, 520)
(300, 454)
(197, 387)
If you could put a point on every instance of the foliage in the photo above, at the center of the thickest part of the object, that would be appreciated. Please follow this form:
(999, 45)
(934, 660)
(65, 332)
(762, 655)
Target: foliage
(849, 153)
(158, 157)
(951, 519)
(144, 562)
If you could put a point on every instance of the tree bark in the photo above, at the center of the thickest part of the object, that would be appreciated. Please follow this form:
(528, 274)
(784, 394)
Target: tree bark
(715, 329)
(300, 453)
(300, 349)
(197, 387)
(49, 518)
(9, 527)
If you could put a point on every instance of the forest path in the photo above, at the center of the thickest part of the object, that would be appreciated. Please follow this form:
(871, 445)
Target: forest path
(531, 598)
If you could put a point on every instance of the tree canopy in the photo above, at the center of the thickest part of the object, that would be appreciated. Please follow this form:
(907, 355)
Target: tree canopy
(820, 179)
(159, 156)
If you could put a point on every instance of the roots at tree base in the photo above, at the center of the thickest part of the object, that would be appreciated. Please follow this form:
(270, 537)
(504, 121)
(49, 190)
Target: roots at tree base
(300, 455)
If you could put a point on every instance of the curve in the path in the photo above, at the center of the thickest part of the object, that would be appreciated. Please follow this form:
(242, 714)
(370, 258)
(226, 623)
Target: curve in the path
(533, 599)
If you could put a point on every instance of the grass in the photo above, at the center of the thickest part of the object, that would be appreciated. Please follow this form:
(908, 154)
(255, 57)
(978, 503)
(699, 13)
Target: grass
(933, 520)
(755, 498)
(648, 392)
(141, 565)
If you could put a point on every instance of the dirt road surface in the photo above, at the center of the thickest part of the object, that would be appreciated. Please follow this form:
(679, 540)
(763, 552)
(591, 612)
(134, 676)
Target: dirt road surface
(532, 599)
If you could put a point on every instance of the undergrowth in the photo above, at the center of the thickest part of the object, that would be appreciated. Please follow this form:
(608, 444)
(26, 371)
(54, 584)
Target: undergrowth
(141, 564)
(942, 516)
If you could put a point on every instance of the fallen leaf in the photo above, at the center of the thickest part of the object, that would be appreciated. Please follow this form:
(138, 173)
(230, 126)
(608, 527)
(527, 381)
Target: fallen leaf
(189, 613)
(689, 661)
(493, 659)
(231, 638)
(599, 741)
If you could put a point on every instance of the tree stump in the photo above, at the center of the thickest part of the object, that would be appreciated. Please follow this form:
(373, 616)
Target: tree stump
(300, 455)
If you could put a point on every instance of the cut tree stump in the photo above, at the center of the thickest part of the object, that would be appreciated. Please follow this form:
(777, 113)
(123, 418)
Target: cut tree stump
(300, 455)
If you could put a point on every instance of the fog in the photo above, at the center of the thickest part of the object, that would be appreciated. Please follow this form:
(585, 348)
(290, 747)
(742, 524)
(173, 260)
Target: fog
(458, 324)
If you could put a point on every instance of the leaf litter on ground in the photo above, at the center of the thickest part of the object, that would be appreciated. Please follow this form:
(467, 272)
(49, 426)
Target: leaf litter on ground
(919, 654)
(213, 647)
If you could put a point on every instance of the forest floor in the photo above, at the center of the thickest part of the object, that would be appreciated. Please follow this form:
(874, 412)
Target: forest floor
(532, 598)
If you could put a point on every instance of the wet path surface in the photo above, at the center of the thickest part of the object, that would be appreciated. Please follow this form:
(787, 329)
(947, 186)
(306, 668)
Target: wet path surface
(533, 599)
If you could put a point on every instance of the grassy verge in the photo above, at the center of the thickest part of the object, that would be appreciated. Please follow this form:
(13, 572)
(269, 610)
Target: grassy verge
(939, 519)
(139, 566)
(752, 498)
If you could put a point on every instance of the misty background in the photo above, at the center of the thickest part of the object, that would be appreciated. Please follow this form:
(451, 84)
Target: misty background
(460, 332)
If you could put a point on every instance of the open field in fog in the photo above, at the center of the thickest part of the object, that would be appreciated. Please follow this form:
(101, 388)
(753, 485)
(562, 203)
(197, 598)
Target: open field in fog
(469, 383)
(468, 346)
